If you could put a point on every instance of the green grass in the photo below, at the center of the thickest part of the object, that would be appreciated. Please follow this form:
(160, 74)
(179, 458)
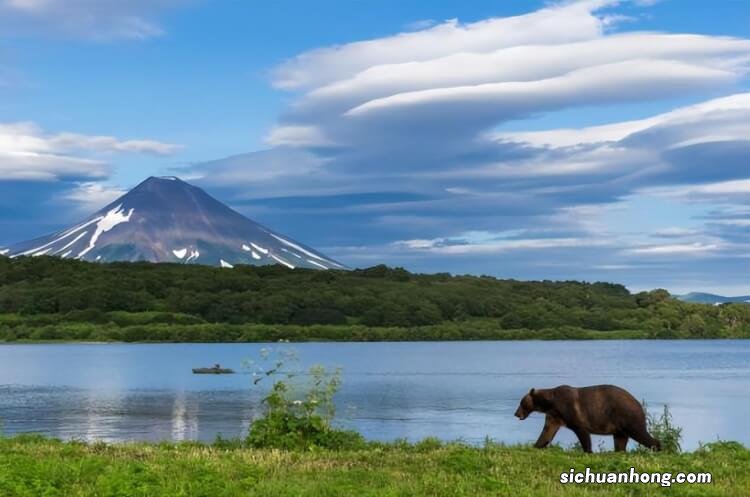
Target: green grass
(33, 466)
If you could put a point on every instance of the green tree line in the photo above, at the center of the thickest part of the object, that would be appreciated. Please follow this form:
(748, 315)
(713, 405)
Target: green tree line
(51, 298)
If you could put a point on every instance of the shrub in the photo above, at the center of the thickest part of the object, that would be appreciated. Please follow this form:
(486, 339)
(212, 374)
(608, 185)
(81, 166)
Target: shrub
(299, 414)
(663, 429)
(733, 448)
(428, 444)
(280, 430)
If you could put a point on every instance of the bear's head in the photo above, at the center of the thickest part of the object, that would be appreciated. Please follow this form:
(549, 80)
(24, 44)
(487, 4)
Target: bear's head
(534, 401)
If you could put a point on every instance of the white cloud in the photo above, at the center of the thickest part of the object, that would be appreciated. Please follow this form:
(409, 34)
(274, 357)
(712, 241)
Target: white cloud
(610, 21)
(47, 167)
(695, 152)
(706, 191)
(638, 79)
(92, 19)
(276, 172)
(296, 136)
(28, 153)
(679, 248)
(420, 109)
(726, 116)
(90, 196)
(424, 114)
(526, 64)
(733, 222)
(675, 232)
(554, 25)
(492, 243)
(74, 141)
(419, 101)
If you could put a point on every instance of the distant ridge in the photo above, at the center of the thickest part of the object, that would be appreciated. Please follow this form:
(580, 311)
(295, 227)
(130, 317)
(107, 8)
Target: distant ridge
(165, 219)
(710, 298)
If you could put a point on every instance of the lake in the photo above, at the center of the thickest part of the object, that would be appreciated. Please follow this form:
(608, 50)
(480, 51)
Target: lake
(451, 390)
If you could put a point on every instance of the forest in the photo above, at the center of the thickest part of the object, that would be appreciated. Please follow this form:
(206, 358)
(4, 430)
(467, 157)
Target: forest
(46, 298)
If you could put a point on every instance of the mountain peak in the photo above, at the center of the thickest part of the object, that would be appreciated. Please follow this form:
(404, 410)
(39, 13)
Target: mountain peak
(161, 182)
(165, 219)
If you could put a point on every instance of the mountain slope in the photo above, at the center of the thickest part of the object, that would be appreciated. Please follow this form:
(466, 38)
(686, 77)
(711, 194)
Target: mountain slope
(168, 220)
(710, 298)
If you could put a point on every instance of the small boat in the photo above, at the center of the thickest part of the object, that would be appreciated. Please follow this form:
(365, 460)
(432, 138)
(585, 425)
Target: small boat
(216, 369)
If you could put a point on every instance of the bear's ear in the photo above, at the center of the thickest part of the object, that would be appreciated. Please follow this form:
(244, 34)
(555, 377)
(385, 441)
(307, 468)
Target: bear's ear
(532, 391)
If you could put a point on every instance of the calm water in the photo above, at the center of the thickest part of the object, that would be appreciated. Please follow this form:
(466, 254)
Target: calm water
(452, 390)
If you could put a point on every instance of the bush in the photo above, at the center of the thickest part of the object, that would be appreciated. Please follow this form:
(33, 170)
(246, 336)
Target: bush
(298, 416)
(283, 430)
(722, 446)
(664, 430)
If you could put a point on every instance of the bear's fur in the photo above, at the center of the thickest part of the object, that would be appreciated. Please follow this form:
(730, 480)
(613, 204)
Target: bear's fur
(600, 409)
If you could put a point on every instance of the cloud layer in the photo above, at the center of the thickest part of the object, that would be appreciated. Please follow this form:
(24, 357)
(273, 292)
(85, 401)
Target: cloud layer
(411, 130)
(28, 153)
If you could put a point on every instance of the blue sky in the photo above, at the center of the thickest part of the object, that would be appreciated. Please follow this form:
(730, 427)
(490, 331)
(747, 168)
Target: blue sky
(595, 140)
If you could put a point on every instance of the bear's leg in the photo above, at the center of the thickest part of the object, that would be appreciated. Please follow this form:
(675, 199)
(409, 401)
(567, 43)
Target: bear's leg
(621, 442)
(551, 426)
(584, 438)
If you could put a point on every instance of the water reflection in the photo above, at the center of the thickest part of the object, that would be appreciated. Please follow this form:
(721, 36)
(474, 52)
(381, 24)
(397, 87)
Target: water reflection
(465, 390)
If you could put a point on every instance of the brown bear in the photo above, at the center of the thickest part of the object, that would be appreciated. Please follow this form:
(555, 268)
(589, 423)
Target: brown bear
(600, 409)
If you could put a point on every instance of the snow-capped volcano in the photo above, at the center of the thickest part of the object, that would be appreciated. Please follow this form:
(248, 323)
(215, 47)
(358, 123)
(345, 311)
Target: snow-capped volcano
(167, 220)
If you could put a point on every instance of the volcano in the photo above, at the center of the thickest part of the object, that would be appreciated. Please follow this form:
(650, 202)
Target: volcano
(165, 219)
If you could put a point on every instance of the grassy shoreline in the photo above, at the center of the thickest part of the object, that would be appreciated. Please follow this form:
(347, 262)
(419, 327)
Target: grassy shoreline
(33, 466)
(21, 331)
(315, 340)
(592, 337)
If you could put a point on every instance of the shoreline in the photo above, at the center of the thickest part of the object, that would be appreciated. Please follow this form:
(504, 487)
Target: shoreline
(359, 341)
(34, 465)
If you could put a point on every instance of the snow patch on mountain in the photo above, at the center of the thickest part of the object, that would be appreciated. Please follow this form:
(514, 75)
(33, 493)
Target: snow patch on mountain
(282, 261)
(80, 227)
(65, 235)
(194, 254)
(296, 247)
(111, 219)
(253, 253)
(316, 264)
(225, 264)
(181, 253)
(72, 242)
(260, 249)
(292, 253)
